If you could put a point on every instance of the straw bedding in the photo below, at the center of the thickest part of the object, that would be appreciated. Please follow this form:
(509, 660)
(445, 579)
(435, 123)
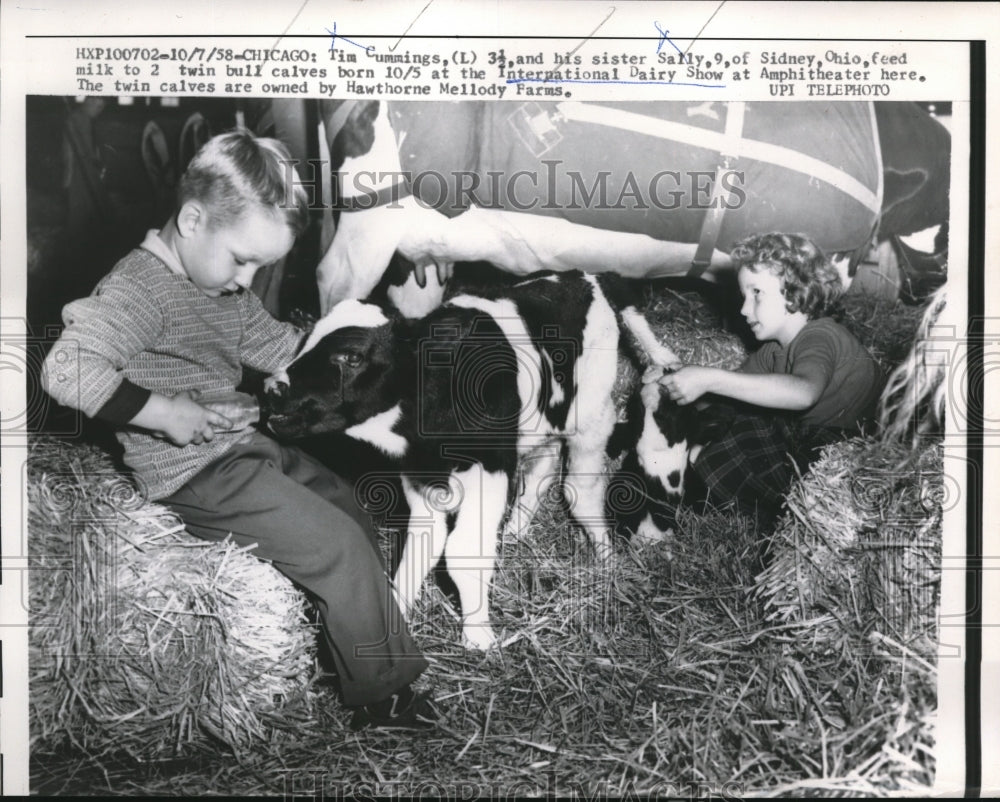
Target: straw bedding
(731, 661)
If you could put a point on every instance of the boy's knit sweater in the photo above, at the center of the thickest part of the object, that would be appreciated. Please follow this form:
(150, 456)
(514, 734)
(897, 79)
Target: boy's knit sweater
(147, 328)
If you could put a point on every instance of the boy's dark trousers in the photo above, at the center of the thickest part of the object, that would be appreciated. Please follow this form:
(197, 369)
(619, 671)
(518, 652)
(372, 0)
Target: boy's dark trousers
(305, 520)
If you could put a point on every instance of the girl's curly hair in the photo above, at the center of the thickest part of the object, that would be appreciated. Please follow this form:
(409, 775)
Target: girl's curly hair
(809, 282)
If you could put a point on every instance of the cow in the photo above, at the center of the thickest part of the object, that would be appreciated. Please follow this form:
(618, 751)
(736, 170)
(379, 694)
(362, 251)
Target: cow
(641, 189)
(509, 376)
(800, 161)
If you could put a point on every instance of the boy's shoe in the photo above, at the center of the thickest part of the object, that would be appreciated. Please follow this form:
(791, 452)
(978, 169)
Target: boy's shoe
(403, 710)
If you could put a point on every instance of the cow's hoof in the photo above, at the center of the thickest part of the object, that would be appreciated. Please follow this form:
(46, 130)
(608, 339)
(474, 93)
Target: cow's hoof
(479, 637)
(650, 535)
(603, 551)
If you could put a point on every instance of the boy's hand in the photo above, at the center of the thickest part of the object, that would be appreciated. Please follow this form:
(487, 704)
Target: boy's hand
(241, 410)
(688, 384)
(189, 422)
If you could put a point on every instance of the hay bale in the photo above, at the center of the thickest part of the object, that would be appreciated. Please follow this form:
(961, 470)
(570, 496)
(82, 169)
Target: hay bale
(852, 590)
(862, 536)
(144, 639)
(885, 327)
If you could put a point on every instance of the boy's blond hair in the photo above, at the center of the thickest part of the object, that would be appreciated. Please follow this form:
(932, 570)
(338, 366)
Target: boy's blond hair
(809, 282)
(236, 171)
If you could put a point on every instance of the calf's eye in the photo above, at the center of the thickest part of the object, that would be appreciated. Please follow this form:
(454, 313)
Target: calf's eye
(349, 359)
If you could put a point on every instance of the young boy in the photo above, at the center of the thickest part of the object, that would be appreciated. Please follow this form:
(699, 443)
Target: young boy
(168, 331)
(810, 383)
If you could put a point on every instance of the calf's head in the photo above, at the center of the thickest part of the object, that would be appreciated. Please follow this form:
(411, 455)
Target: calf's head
(342, 376)
(656, 437)
(667, 433)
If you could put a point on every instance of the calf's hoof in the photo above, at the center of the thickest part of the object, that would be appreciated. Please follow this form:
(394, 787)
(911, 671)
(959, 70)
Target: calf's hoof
(480, 637)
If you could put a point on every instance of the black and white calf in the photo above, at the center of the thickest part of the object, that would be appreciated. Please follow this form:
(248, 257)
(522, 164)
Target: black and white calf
(462, 397)
(656, 436)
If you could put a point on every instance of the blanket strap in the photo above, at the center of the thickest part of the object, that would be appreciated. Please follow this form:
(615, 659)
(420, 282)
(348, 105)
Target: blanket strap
(712, 224)
(389, 194)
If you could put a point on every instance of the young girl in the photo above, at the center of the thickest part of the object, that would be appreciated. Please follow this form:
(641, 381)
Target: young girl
(810, 383)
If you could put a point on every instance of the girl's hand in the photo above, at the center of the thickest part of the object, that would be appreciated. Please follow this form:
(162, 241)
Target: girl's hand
(688, 384)
(653, 374)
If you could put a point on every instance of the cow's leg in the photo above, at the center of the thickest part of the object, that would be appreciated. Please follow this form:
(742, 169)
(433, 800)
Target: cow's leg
(587, 485)
(425, 542)
(471, 550)
(590, 422)
(586, 479)
(538, 471)
(357, 258)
